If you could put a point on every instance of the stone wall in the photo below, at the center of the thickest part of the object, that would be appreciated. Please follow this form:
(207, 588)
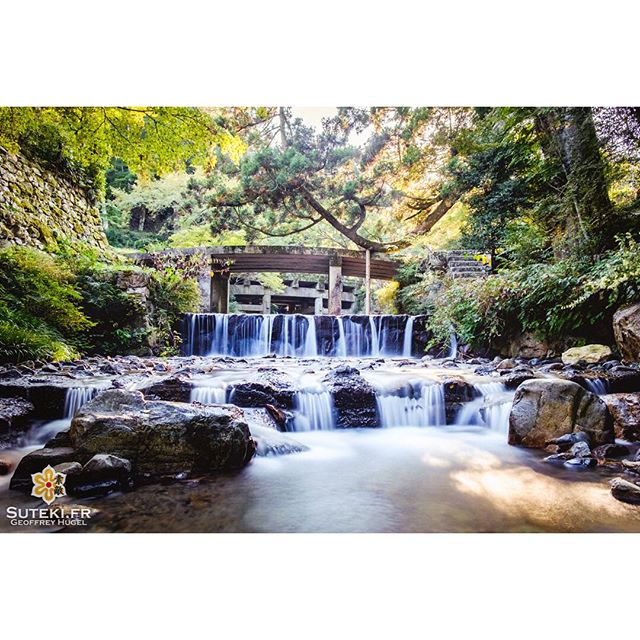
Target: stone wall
(38, 207)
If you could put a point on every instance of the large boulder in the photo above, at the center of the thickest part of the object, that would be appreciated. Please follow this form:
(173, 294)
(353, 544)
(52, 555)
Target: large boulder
(625, 411)
(626, 329)
(162, 437)
(590, 353)
(354, 399)
(545, 409)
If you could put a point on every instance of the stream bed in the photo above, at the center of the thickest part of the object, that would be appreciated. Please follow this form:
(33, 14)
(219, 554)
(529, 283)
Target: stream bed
(423, 468)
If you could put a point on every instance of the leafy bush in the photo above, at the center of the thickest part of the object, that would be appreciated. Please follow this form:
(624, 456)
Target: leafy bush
(571, 299)
(58, 307)
(40, 311)
(171, 296)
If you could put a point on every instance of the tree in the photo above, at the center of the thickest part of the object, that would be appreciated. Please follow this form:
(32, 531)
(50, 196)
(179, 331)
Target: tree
(149, 140)
(307, 179)
(569, 136)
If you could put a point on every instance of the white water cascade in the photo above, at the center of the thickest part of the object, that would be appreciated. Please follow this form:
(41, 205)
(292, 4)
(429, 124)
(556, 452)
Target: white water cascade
(313, 410)
(253, 335)
(76, 397)
(416, 404)
(408, 337)
(212, 394)
(597, 386)
(491, 409)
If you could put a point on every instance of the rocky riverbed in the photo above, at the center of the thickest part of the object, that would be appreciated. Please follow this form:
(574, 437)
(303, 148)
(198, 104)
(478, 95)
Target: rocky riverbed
(126, 430)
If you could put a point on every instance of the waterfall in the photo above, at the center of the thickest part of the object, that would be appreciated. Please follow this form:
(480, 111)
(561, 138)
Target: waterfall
(341, 346)
(253, 335)
(311, 341)
(416, 404)
(76, 397)
(375, 350)
(313, 410)
(408, 337)
(598, 386)
(491, 409)
(214, 394)
(453, 345)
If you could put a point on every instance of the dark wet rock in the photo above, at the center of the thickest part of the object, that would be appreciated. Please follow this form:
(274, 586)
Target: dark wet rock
(354, 399)
(545, 409)
(47, 398)
(458, 390)
(69, 469)
(101, 475)
(611, 450)
(632, 466)
(552, 366)
(623, 380)
(580, 450)
(625, 411)
(61, 439)
(625, 491)
(163, 437)
(507, 363)
(173, 389)
(558, 458)
(36, 461)
(266, 386)
(5, 467)
(581, 463)
(14, 413)
(513, 379)
(273, 443)
(279, 416)
(626, 329)
(566, 441)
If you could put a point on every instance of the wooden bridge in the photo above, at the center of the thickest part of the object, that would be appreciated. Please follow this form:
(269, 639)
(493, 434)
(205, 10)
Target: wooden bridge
(336, 263)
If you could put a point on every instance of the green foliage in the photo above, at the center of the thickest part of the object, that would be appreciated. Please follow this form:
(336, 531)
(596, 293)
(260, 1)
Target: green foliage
(39, 307)
(172, 295)
(569, 299)
(20, 343)
(58, 307)
(148, 140)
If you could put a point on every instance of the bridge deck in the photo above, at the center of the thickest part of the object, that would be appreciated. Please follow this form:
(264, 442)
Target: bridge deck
(247, 259)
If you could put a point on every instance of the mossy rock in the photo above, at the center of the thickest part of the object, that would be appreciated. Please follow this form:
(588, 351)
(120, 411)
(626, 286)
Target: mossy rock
(590, 354)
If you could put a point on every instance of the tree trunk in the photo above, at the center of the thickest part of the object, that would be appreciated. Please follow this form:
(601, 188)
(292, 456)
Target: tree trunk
(436, 213)
(575, 144)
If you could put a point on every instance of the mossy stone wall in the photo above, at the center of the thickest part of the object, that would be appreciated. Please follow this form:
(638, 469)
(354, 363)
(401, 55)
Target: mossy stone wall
(39, 207)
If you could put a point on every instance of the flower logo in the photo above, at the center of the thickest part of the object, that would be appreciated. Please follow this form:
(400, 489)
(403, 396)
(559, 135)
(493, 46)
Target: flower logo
(48, 484)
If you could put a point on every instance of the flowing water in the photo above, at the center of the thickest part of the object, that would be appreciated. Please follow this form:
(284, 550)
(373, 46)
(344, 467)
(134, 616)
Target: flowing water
(381, 480)
(247, 335)
(426, 468)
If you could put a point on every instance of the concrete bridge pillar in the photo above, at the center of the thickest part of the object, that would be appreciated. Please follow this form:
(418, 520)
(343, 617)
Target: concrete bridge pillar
(335, 285)
(317, 310)
(219, 293)
(204, 288)
(266, 301)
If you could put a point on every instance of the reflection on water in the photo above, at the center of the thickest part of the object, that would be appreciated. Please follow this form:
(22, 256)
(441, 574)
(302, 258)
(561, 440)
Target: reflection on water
(405, 479)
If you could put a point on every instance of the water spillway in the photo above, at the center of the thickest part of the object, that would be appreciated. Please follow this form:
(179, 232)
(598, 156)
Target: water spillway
(246, 335)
